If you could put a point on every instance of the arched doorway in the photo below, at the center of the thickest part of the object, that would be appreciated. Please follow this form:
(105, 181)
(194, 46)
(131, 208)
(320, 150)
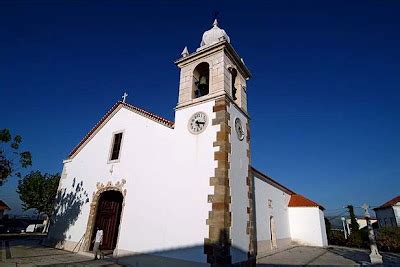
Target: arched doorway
(272, 232)
(108, 217)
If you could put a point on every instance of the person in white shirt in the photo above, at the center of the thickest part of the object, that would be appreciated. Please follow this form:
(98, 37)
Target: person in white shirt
(98, 240)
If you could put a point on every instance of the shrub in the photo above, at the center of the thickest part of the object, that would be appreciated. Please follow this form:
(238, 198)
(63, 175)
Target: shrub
(358, 239)
(336, 238)
(388, 239)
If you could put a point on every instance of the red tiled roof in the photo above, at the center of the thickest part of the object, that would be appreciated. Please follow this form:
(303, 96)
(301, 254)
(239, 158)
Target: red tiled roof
(3, 206)
(140, 111)
(301, 201)
(390, 203)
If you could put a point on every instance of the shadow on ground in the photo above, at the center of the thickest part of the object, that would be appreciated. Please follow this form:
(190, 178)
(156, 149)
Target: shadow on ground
(361, 256)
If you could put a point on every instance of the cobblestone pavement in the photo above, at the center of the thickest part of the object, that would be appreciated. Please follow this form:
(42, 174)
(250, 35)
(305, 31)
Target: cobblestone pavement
(331, 256)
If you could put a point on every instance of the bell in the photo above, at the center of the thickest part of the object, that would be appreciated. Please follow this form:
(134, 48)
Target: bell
(203, 85)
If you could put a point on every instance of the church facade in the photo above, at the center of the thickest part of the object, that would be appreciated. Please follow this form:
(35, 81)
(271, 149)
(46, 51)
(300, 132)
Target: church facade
(185, 190)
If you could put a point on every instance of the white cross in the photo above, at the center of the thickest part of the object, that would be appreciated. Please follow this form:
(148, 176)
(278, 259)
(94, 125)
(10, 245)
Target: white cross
(366, 207)
(124, 97)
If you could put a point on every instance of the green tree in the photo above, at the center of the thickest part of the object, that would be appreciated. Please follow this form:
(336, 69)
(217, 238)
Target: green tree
(38, 191)
(11, 159)
(355, 227)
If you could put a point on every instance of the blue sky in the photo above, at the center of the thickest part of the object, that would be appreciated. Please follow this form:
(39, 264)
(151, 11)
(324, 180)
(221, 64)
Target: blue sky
(324, 97)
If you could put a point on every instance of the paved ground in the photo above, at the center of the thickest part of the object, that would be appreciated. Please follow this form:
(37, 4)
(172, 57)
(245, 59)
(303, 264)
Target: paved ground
(29, 252)
(332, 256)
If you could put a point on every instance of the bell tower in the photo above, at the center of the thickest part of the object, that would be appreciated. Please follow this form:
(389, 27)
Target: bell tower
(213, 124)
(214, 69)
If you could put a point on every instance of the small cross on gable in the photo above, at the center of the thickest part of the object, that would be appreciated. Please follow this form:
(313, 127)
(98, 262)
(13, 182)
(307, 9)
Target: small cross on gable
(124, 97)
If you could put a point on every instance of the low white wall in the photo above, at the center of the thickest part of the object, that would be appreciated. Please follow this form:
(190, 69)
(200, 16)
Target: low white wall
(307, 226)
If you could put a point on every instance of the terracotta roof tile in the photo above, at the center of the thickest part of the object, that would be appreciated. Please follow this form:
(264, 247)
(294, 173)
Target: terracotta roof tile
(3, 206)
(140, 111)
(390, 203)
(301, 201)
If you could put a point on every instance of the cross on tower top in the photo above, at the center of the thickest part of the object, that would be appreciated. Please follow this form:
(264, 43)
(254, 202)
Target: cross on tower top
(124, 97)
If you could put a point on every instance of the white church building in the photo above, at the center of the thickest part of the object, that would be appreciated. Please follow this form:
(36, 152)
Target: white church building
(182, 191)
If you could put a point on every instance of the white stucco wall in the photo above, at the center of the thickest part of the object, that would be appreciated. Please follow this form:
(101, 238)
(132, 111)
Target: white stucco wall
(263, 193)
(307, 226)
(167, 175)
(396, 210)
(388, 217)
(238, 172)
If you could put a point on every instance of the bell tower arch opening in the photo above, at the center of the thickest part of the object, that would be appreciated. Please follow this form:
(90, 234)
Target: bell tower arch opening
(233, 83)
(201, 80)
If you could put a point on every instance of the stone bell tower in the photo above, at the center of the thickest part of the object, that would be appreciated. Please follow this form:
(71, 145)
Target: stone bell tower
(213, 82)
(214, 69)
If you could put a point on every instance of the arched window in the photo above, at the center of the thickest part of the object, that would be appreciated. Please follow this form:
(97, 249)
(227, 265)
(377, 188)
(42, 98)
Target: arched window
(201, 80)
(233, 82)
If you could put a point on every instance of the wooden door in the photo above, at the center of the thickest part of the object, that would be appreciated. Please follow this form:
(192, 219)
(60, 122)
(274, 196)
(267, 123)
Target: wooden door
(107, 219)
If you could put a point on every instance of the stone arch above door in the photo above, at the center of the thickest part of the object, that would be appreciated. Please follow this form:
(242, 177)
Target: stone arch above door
(101, 188)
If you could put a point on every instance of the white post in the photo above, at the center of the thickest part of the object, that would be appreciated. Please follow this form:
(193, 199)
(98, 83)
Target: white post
(375, 257)
(344, 227)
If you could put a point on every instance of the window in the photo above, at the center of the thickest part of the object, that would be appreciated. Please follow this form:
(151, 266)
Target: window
(233, 81)
(201, 80)
(270, 203)
(116, 147)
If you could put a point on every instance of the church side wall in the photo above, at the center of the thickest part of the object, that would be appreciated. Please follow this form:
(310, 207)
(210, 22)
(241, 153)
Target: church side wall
(239, 164)
(278, 210)
(307, 226)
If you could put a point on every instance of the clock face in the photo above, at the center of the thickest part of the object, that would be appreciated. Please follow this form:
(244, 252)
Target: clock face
(197, 123)
(239, 129)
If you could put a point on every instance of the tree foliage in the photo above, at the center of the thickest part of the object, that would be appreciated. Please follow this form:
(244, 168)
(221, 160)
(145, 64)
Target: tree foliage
(11, 159)
(38, 191)
(354, 226)
(388, 239)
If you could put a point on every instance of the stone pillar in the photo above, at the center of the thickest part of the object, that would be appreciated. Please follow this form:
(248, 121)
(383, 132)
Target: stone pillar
(217, 245)
(375, 257)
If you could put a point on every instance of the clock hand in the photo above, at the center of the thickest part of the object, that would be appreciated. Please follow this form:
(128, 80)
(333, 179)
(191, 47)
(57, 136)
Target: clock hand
(201, 122)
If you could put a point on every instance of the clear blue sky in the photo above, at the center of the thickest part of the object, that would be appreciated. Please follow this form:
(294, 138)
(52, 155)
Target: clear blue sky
(324, 97)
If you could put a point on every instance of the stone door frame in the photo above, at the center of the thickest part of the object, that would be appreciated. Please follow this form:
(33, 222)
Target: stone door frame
(272, 229)
(101, 188)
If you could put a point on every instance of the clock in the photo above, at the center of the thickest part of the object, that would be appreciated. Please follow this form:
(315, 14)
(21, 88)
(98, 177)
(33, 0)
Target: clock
(239, 129)
(197, 122)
